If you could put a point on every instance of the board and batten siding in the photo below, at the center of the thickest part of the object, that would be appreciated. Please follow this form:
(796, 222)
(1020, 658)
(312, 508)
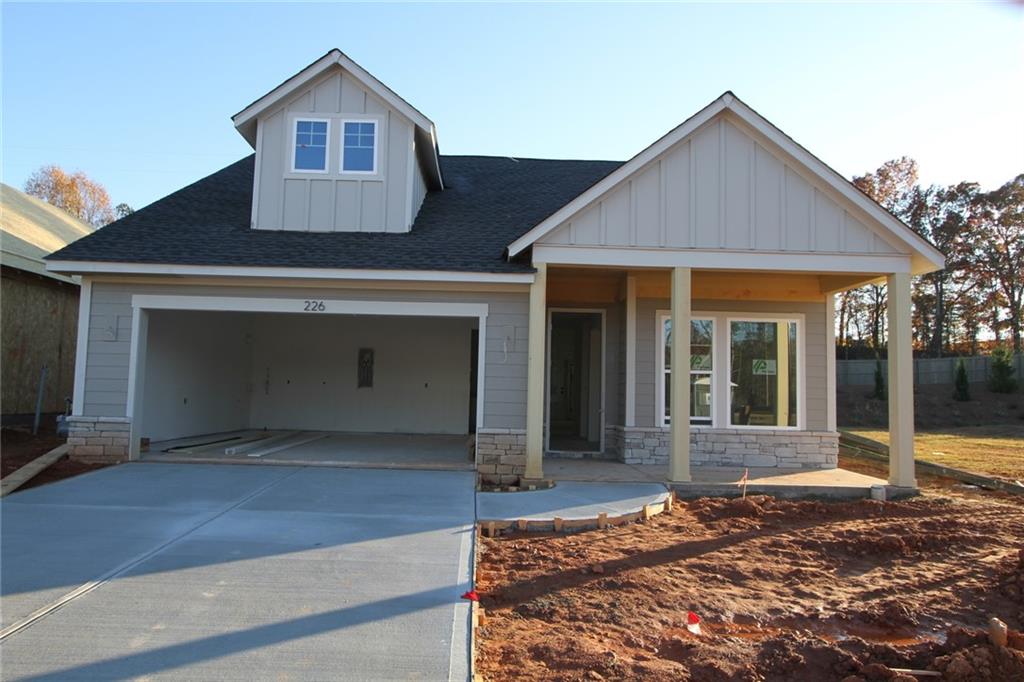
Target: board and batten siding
(386, 201)
(722, 187)
(106, 374)
(816, 388)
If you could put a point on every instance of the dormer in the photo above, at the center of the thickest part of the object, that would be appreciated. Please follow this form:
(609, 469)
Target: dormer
(338, 151)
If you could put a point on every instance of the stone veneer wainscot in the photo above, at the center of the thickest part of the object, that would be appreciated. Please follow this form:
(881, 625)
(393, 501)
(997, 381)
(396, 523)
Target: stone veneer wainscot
(788, 449)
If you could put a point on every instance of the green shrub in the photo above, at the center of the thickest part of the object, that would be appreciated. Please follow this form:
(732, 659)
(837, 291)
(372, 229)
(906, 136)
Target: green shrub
(962, 389)
(880, 392)
(1002, 376)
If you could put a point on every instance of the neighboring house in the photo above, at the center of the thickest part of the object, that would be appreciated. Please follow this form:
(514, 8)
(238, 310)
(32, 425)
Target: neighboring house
(39, 307)
(348, 277)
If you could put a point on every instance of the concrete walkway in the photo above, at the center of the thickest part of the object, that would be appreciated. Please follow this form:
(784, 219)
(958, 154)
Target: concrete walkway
(569, 501)
(189, 572)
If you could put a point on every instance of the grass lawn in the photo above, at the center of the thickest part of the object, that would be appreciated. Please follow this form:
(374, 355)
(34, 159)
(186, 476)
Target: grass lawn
(994, 450)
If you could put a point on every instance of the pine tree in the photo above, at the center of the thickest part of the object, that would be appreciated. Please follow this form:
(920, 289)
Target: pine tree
(1003, 379)
(880, 392)
(962, 390)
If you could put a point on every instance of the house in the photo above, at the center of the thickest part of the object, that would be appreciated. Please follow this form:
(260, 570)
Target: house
(347, 277)
(40, 307)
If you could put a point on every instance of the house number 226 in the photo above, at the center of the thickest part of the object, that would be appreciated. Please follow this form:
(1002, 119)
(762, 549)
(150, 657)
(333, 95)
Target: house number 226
(315, 307)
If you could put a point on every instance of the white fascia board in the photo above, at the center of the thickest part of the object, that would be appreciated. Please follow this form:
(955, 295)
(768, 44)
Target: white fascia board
(615, 177)
(300, 79)
(97, 267)
(716, 259)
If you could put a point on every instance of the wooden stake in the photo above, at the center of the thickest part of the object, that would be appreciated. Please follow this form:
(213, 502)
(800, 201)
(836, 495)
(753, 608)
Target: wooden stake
(602, 520)
(521, 524)
(558, 524)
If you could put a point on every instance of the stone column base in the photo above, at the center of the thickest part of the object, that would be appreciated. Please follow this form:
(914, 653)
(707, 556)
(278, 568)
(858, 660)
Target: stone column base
(99, 439)
(500, 455)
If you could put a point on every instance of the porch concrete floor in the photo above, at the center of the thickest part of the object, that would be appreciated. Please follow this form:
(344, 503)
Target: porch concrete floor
(719, 480)
(356, 450)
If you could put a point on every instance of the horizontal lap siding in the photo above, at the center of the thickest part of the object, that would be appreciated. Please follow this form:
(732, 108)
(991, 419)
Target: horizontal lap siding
(814, 335)
(505, 375)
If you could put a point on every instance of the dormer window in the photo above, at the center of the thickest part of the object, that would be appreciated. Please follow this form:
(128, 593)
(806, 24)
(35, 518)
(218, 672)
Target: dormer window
(359, 147)
(310, 152)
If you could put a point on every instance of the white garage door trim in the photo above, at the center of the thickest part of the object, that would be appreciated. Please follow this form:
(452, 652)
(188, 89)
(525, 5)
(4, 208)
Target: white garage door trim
(141, 303)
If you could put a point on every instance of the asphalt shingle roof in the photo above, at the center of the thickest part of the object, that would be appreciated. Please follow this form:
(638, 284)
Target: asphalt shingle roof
(487, 203)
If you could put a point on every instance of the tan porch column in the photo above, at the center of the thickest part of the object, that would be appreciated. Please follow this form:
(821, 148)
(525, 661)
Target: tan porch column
(679, 460)
(901, 383)
(535, 375)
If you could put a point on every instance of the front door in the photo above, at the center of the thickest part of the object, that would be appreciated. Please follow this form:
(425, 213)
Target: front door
(575, 385)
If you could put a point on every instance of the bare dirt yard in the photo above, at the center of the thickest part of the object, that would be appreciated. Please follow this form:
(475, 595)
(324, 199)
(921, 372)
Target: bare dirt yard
(996, 450)
(786, 591)
(18, 447)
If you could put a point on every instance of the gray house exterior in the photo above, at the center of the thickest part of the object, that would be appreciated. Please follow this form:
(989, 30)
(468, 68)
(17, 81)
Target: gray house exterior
(347, 277)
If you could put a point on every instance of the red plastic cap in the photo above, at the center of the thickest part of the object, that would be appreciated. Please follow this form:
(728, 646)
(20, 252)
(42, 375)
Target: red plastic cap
(692, 618)
(471, 596)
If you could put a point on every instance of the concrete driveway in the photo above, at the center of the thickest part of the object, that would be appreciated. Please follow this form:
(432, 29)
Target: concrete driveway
(227, 572)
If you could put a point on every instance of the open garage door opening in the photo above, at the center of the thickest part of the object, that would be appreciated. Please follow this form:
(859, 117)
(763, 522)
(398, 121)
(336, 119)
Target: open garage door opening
(357, 390)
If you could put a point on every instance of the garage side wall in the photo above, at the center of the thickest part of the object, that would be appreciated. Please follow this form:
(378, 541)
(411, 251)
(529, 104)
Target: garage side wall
(109, 347)
(197, 373)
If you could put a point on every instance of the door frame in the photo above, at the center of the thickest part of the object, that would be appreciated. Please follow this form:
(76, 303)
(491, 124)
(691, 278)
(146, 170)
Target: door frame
(143, 303)
(547, 374)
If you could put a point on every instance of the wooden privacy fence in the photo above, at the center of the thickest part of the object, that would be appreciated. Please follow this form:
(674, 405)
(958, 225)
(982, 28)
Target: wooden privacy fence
(926, 370)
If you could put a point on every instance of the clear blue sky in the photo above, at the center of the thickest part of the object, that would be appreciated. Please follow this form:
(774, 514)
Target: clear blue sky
(140, 96)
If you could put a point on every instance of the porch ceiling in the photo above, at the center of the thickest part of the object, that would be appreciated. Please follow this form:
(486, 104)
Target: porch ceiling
(606, 285)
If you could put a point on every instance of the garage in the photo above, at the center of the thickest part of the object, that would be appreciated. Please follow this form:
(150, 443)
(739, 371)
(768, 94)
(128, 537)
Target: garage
(353, 383)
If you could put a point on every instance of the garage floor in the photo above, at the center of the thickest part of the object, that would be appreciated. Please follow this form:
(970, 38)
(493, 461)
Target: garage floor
(202, 572)
(330, 448)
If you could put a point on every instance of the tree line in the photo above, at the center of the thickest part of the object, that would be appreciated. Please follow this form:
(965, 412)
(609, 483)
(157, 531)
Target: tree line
(972, 305)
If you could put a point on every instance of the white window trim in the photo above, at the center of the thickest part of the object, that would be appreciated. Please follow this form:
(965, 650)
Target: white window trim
(660, 317)
(327, 150)
(722, 372)
(376, 147)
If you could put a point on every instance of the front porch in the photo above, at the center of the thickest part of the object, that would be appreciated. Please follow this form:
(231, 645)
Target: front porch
(760, 392)
(721, 481)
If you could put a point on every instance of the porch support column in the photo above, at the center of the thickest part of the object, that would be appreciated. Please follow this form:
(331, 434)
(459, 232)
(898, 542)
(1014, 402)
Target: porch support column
(535, 375)
(631, 350)
(901, 382)
(679, 461)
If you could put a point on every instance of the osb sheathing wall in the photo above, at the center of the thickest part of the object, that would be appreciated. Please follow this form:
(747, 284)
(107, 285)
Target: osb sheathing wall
(39, 318)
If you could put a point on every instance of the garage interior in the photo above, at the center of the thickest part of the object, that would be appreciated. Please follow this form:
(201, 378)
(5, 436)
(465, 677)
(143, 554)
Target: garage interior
(355, 390)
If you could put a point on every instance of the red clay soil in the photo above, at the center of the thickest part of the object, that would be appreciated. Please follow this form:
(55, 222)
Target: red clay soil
(785, 590)
(19, 447)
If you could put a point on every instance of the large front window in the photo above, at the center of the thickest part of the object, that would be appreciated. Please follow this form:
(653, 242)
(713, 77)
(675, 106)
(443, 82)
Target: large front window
(701, 370)
(763, 369)
(744, 371)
